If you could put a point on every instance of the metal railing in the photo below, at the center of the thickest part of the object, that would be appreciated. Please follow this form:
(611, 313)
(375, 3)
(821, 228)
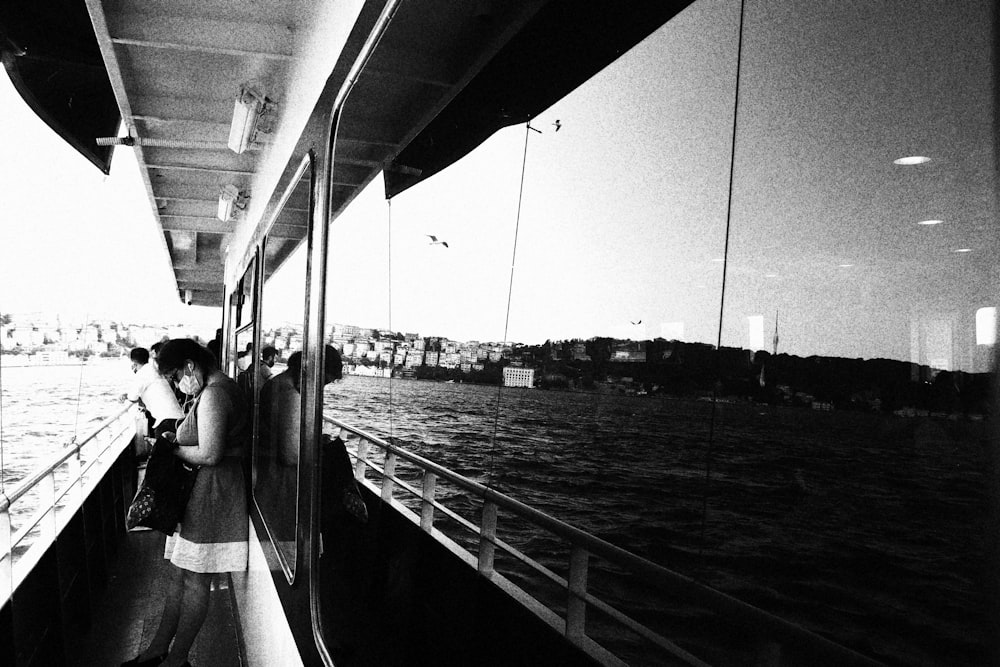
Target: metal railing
(54, 493)
(774, 637)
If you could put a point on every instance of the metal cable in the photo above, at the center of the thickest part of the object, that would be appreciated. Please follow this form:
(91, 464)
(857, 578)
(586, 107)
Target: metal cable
(510, 292)
(722, 298)
(3, 467)
(79, 388)
(392, 338)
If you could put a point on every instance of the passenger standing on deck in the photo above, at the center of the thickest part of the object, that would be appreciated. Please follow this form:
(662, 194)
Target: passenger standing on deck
(212, 536)
(153, 392)
(267, 356)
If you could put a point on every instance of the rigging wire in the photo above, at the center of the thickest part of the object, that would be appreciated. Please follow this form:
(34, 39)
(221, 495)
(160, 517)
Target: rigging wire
(510, 292)
(3, 467)
(392, 339)
(79, 388)
(722, 297)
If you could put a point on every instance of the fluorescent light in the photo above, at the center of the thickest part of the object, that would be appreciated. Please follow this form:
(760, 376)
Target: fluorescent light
(912, 159)
(845, 266)
(247, 111)
(227, 202)
(930, 222)
(963, 250)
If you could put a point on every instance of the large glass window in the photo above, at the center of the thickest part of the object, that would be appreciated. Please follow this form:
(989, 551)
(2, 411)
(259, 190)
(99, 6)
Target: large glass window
(749, 332)
(861, 255)
(276, 370)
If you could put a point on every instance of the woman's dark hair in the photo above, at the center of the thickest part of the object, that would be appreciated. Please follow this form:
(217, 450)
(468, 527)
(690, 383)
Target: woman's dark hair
(176, 351)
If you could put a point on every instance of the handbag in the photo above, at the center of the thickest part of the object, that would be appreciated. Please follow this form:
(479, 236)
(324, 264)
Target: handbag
(163, 495)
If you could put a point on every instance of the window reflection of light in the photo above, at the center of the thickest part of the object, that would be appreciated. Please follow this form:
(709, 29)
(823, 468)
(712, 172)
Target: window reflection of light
(986, 326)
(930, 222)
(912, 159)
(755, 326)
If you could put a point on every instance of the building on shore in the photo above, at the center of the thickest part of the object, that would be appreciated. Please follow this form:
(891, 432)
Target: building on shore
(518, 377)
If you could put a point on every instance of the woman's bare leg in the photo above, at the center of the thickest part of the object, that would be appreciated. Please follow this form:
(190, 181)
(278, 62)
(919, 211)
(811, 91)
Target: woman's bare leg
(169, 619)
(193, 609)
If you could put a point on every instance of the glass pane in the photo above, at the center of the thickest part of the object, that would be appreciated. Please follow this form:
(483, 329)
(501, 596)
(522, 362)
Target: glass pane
(615, 297)
(860, 302)
(245, 298)
(277, 369)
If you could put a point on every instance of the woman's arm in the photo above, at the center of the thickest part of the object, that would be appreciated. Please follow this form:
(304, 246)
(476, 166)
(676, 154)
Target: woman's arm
(214, 409)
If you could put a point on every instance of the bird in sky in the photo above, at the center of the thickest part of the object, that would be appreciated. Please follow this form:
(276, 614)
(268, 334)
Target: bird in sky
(639, 322)
(434, 240)
(558, 124)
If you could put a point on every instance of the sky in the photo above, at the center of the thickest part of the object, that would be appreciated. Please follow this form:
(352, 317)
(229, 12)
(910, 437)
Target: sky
(622, 227)
(73, 241)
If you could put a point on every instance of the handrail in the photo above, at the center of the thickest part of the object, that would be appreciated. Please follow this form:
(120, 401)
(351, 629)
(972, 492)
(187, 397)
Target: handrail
(48, 517)
(25, 485)
(773, 628)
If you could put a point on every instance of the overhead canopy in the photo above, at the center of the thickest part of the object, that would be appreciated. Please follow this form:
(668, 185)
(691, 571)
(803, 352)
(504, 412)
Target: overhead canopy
(445, 76)
(51, 55)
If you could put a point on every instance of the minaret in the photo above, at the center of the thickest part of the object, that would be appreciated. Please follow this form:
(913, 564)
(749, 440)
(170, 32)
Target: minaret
(775, 352)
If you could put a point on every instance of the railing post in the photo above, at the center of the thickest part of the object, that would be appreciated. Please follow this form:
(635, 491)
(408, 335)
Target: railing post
(47, 494)
(487, 535)
(6, 558)
(427, 505)
(576, 603)
(390, 470)
(359, 465)
(73, 468)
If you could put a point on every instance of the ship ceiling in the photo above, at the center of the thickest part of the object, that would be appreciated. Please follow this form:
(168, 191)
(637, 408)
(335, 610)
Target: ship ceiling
(445, 75)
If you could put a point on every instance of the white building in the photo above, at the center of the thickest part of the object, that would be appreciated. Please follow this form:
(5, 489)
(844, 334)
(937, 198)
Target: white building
(518, 377)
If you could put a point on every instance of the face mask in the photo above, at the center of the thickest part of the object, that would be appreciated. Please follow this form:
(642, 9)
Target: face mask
(189, 385)
(243, 362)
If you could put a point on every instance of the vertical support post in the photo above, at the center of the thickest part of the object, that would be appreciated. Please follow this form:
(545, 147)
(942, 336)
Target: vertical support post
(362, 462)
(47, 524)
(576, 603)
(390, 470)
(487, 536)
(6, 558)
(427, 505)
(73, 468)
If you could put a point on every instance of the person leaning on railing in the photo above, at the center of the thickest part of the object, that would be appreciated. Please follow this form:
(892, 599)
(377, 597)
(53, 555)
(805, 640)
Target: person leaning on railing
(153, 392)
(212, 536)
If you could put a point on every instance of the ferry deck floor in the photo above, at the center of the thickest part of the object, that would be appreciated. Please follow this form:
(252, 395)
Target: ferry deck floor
(126, 616)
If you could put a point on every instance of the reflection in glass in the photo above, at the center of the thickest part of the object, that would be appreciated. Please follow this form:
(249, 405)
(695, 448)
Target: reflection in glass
(824, 464)
(276, 368)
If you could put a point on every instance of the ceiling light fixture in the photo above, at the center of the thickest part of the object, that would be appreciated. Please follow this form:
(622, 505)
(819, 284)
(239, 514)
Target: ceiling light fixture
(911, 160)
(249, 108)
(230, 201)
(845, 266)
(930, 222)
(963, 250)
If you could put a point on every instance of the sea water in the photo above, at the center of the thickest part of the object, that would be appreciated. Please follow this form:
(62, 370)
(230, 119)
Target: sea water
(866, 528)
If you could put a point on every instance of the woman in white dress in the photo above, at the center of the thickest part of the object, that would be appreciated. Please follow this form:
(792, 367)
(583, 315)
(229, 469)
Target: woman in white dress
(212, 536)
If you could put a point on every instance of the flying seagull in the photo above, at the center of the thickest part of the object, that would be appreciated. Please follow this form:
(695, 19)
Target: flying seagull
(558, 124)
(639, 322)
(434, 240)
